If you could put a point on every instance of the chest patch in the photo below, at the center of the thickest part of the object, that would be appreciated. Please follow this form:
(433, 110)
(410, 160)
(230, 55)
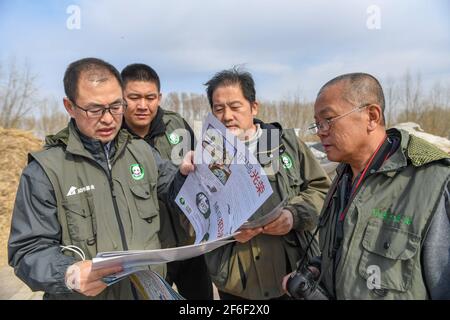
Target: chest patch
(137, 171)
(287, 161)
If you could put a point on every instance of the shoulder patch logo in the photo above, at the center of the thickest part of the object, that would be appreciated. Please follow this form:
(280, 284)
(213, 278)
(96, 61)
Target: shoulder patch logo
(173, 138)
(287, 161)
(137, 172)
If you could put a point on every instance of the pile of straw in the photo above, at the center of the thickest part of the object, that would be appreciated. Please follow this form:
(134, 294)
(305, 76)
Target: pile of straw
(14, 148)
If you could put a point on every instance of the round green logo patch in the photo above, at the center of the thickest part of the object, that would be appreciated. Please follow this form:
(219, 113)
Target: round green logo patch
(182, 201)
(137, 172)
(173, 138)
(287, 161)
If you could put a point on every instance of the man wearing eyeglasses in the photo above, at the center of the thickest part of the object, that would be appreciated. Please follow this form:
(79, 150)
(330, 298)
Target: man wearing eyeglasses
(385, 224)
(94, 188)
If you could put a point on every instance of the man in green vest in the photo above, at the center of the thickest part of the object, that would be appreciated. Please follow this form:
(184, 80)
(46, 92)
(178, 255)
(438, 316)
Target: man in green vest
(170, 134)
(384, 230)
(253, 267)
(94, 188)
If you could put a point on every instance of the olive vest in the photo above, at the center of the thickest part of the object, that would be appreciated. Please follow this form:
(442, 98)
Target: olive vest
(170, 145)
(89, 200)
(385, 226)
(255, 269)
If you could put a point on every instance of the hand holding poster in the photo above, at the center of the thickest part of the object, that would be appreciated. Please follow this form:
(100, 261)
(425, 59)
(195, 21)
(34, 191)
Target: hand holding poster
(227, 186)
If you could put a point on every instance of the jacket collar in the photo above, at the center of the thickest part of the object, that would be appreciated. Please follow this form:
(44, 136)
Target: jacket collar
(268, 145)
(157, 128)
(79, 144)
(396, 161)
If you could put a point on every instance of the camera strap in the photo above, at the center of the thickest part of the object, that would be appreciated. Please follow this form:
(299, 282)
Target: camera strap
(348, 190)
(322, 220)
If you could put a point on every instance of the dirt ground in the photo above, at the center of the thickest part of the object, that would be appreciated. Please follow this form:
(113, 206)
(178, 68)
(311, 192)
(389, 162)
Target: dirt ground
(14, 147)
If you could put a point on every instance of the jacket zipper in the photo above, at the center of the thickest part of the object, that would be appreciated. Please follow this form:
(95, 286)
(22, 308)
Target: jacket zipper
(116, 211)
(116, 207)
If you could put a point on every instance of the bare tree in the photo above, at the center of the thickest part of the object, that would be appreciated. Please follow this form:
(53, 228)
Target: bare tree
(191, 106)
(17, 95)
(392, 99)
(172, 102)
(51, 117)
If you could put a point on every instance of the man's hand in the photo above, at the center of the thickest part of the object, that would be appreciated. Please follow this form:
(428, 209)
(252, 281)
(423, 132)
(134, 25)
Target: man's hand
(81, 278)
(187, 165)
(284, 282)
(281, 225)
(315, 271)
(245, 235)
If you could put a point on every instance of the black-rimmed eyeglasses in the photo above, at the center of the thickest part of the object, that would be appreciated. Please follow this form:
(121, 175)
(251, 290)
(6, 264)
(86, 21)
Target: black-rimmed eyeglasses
(116, 108)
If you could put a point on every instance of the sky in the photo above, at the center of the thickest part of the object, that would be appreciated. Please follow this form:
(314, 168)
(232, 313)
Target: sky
(291, 47)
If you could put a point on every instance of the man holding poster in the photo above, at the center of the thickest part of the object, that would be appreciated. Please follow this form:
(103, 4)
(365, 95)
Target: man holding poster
(253, 267)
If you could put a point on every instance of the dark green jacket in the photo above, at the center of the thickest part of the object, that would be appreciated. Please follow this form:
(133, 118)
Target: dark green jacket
(386, 225)
(255, 269)
(170, 134)
(91, 198)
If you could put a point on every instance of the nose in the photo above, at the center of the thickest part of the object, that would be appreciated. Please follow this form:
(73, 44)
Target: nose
(323, 133)
(227, 114)
(107, 117)
(142, 104)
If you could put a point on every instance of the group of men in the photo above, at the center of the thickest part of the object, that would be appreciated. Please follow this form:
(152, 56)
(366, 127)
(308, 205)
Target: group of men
(108, 182)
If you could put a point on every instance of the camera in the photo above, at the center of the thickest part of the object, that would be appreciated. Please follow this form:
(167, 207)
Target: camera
(303, 284)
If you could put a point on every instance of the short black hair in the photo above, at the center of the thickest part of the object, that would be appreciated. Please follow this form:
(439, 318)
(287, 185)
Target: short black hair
(233, 76)
(94, 65)
(140, 72)
(361, 88)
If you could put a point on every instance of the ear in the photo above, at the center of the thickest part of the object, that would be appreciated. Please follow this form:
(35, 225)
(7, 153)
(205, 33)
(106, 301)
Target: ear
(69, 107)
(159, 98)
(375, 117)
(255, 108)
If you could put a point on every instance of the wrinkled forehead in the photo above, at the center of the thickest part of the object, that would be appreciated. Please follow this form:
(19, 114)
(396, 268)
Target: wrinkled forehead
(332, 100)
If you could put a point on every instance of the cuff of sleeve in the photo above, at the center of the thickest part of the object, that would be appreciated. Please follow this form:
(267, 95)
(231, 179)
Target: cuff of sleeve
(63, 263)
(301, 221)
(178, 181)
(295, 217)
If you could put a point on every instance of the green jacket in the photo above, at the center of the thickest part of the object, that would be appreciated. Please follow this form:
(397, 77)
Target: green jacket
(101, 205)
(172, 137)
(255, 269)
(386, 224)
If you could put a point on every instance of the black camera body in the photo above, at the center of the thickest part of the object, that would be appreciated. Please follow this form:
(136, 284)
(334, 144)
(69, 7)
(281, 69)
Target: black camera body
(303, 285)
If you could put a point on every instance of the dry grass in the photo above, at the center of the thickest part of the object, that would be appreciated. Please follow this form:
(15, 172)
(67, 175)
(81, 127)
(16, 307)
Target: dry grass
(14, 147)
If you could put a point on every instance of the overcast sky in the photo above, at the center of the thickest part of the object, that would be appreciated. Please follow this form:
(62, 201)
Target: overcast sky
(291, 47)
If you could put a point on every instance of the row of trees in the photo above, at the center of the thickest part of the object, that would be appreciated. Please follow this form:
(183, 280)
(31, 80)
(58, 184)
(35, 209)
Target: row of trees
(21, 106)
(406, 101)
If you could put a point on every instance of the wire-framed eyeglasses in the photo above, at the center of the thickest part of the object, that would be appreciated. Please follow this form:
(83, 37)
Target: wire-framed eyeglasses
(325, 125)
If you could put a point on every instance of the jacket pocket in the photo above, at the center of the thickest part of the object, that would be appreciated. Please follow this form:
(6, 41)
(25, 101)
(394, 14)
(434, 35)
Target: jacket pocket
(393, 251)
(218, 262)
(146, 202)
(81, 223)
